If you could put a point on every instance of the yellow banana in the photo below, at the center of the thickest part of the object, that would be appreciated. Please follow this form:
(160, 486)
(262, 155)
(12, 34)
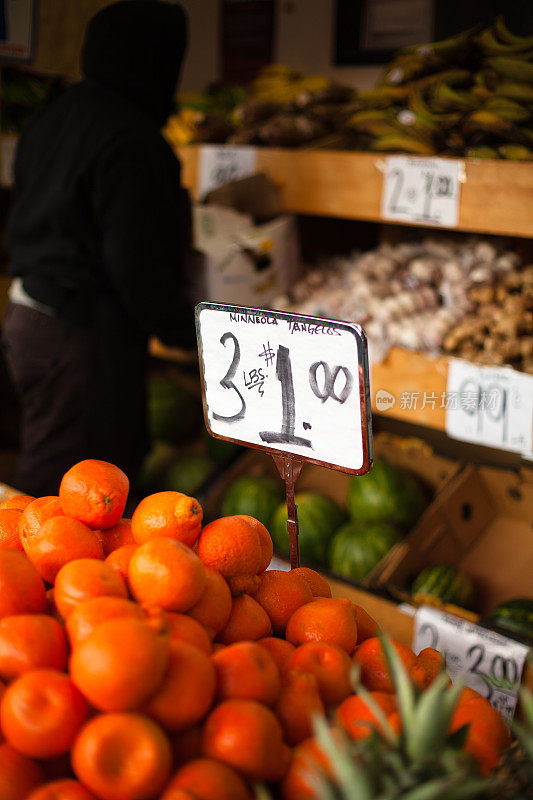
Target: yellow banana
(489, 122)
(508, 109)
(398, 142)
(449, 76)
(446, 98)
(408, 68)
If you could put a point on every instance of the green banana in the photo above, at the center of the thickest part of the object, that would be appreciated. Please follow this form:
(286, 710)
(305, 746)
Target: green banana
(421, 108)
(446, 48)
(508, 109)
(505, 35)
(419, 124)
(491, 46)
(515, 91)
(481, 152)
(450, 76)
(382, 96)
(515, 69)
(408, 68)
(445, 98)
(395, 142)
(516, 152)
(374, 121)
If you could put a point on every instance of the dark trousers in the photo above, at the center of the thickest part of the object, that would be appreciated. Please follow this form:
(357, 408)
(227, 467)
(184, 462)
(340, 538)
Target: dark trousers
(82, 392)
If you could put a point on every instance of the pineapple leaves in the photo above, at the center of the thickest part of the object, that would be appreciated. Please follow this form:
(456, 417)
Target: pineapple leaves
(379, 714)
(402, 683)
(431, 719)
(351, 779)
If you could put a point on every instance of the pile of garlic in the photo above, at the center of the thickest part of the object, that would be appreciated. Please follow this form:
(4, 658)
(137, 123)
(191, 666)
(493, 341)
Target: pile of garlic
(409, 295)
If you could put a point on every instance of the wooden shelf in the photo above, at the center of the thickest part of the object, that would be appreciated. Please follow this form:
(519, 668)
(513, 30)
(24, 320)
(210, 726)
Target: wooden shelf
(496, 197)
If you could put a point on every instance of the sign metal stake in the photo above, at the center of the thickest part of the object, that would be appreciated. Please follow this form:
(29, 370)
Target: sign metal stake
(289, 469)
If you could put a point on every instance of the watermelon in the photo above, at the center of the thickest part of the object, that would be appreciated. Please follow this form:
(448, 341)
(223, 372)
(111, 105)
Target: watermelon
(386, 494)
(219, 450)
(151, 473)
(444, 583)
(356, 549)
(174, 414)
(187, 473)
(319, 518)
(514, 615)
(258, 496)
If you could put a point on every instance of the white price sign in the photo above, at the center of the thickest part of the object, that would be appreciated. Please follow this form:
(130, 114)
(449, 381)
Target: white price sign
(422, 190)
(286, 383)
(488, 663)
(221, 164)
(492, 406)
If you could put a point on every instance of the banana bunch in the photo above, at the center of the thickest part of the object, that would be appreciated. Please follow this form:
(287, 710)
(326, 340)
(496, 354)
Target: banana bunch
(279, 84)
(181, 128)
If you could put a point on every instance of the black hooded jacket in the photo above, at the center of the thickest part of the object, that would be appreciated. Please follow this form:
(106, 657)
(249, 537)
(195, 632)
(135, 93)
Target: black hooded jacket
(98, 205)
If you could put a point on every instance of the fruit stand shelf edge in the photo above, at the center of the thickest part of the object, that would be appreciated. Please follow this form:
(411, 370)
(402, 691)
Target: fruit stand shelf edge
(496, 197)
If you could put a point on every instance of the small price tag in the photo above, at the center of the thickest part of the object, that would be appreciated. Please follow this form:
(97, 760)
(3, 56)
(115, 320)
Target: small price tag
(422, 190)
(286, 384)
(224, 164)
(488, 663)
(491, 406)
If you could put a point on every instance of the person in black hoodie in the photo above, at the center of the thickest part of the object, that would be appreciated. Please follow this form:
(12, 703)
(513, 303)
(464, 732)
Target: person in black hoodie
(98, 233)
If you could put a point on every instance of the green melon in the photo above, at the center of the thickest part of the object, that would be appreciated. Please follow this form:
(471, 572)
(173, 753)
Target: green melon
(319, 518)
(515, 616)
(174, 414)
(445, 583)
(356, 549)
(151, 474)
(187, 473)
(258, 496)
(219, 450)
(386, 494)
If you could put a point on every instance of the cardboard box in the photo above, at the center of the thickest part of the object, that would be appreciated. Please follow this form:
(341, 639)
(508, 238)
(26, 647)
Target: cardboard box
(249, 249)
(244, 264)
(408, 453)
(481, 522)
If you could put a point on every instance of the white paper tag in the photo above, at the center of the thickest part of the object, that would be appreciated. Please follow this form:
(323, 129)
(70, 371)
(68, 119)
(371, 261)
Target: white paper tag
(422, 190)
(286, 383)
(220, 164)
(489, 663)
(490, 405)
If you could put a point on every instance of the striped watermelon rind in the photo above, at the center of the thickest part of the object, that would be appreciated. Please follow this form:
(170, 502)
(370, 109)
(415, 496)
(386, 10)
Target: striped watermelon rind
(257, 496)
(445, 583)
(355, 549)
(514, 615)
(319, 518)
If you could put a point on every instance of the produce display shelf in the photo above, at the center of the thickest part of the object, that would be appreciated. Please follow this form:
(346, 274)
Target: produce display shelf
(496, 196)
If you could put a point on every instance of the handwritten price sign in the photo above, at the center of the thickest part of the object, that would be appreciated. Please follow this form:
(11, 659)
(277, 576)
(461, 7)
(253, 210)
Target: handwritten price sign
(489, 663)
(422, 190)
(287, 384)
(223, 164)
(491, 406)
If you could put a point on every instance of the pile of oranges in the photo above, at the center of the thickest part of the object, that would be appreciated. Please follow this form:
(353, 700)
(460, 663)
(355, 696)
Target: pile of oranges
(150, 658)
